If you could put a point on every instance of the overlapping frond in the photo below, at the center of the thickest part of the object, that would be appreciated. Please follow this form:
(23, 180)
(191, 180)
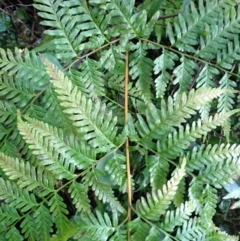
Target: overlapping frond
(25, 65)
(172, 114)
(94, 122)
(154, 205)
(102, 190)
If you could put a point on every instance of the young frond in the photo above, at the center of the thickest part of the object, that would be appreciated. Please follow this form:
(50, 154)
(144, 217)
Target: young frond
(156, 204)
(94, 122)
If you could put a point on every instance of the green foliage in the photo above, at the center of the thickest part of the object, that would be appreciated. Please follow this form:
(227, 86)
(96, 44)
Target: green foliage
(79, 162)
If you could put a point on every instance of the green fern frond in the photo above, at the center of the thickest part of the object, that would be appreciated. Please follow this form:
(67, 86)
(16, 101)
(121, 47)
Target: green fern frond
(43, 221)
(230, 54)
(220, 174)
(95, 124)
(180, 194)
(139, 229)
(37, 137)
(226, 102)
(174, 145)
(26, 175)
(203, 156)
(177, 217)
(141, 71)
(97, 227)
(89, 78)
(158, 170)
(15, 91)
(8, 215)
(184, 73)
(64, 27)
(191, 230)
(220, 236)
(8, 113)
(25, 65)
(29, 229)
(116, 168)
(156, 204)
(172, 114)
(13, 234)
(163, 63)
(79, 197)
(59, 213)
(15, 196)
(102, 190)
(209, 199)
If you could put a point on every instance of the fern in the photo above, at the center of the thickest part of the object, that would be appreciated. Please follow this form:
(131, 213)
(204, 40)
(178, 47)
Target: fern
(118, 126)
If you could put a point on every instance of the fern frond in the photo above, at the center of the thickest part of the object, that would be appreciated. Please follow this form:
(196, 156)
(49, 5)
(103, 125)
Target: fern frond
(43, 221)
(180, 194)
(184, 73)
(210, 200)
(63, 27)
(27, 177)
(102, 190)
(79, 197)
(43, 147)
(8, 215)
(96, 125)
(153, 234)
(156, 204)
(163, 63)
(173, 113)
(117, 170)
(191, 230)
(90, 78)
(15, 91)
(221, 173)
(8, 113)
(16, 197)
(14, 234)
(25, 65)
(97, 227)
(139, 229)
(220, 236)
(226, 101)
(59, 213)
(174, 145)
(203, 156)
(158, 170)
(141, 71)
(177, 217)
(230, 54)
(29, 229)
